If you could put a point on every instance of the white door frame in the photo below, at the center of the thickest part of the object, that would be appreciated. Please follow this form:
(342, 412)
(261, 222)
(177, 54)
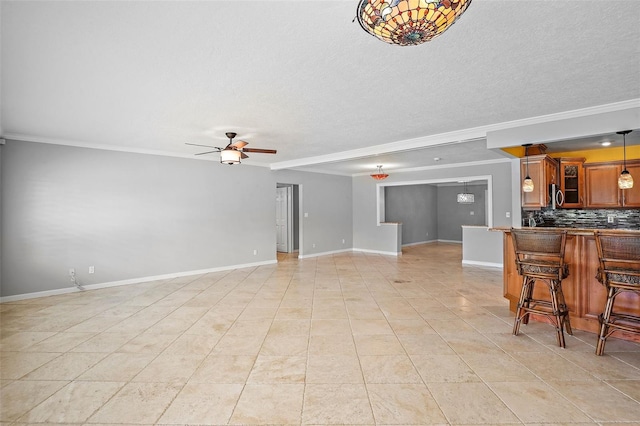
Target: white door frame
(288, 194)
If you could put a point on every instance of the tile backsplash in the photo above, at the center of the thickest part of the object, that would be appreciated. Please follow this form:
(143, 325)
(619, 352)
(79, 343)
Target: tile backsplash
(592, 218)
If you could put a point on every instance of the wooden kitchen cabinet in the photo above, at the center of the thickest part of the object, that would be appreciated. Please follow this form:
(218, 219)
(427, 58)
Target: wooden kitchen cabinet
(543, 170)
(601, 182)
(602, 185)
(572, 182)
(631, 197)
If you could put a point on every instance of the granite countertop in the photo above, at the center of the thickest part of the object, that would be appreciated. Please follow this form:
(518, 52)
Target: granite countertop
(570, 231)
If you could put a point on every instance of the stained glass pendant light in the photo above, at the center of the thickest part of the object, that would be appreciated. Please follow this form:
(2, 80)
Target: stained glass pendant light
(527, 183)
(408, 22)
(625, 180)
(380, 175)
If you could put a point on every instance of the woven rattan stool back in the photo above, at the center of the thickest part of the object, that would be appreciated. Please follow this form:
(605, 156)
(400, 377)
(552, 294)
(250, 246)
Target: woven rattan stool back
(619, 272)
(540, 253)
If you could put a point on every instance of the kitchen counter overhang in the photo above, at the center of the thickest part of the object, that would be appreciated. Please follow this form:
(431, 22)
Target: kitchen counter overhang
(584, 294)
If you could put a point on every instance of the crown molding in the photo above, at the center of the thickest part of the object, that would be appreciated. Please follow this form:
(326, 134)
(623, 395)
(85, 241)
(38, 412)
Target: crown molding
(443, 166)
(457, 136)
(117, 148)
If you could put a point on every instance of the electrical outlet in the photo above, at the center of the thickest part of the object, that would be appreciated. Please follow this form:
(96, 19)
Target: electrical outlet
(611, 218)
(92, 269)
(508, 214)
(313, 245)
(255, 252)
(472, 213)
(343, 241)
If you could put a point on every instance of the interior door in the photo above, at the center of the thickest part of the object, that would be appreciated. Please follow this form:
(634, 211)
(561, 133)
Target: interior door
(283, 207)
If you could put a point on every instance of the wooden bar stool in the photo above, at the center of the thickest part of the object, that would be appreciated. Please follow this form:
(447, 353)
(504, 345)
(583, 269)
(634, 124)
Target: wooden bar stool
(540, 258)
(619, 272)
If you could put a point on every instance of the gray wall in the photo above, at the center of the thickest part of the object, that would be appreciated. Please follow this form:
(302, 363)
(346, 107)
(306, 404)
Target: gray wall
(366, 233)
(326, 200)
(416, 207)
(452, 215)
(1, 220)
(136, 216)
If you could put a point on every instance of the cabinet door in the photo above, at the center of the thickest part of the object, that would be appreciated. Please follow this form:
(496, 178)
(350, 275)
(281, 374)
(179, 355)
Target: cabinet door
(602, 185)
(631, 197)
(572, 183)
(543, 170)
(538, 197)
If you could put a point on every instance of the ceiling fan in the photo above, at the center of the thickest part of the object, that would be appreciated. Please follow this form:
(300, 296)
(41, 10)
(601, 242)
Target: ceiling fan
(234, 151)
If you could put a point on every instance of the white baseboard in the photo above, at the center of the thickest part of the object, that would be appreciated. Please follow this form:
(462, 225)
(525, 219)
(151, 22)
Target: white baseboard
(420, 243)
(324, 253)
(450, 241)
(487, 264)
(56, 292)
(385, 253)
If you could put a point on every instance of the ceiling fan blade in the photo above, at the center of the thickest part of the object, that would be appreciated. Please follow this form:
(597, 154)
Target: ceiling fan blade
(195, 144)
(243, 155)
(259, 150)
(239, 144)
(208, 152)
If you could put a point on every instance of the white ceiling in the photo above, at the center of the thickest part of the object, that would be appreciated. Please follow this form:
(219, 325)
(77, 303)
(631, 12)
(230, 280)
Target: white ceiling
(302, 78)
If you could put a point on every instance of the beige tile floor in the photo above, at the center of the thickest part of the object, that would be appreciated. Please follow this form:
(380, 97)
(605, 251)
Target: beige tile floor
(345, 339)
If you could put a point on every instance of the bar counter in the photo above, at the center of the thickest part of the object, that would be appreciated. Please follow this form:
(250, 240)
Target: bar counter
(584, 294)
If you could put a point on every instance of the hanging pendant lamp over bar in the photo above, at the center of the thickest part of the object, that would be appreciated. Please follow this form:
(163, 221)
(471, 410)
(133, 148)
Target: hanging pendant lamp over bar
(380, 175)
(408, 22)
(625, 180)
(527, 183)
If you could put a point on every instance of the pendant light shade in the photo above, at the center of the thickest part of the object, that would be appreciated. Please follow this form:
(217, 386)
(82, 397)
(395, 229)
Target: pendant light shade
(625, 180)
(527, 183)
(380, 175)
(465, 197)
(408, 22)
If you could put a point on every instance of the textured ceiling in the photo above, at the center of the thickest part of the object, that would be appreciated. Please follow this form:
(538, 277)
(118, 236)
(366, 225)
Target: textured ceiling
(301, 77)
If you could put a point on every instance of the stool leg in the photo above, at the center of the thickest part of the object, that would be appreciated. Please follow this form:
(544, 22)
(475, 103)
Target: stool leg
(523, 303)
(604, 321)
(553, 287)
(564, 309)
(528, 297)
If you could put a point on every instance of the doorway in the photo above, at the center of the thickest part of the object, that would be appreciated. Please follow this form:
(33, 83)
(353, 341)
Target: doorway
(287, 223)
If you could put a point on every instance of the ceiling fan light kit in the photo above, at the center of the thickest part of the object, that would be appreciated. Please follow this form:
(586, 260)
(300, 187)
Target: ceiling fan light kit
(234, 152)
(408, 22)
(230, 156)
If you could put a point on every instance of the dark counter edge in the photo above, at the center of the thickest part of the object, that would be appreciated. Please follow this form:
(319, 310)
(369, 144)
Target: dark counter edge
(570, 231)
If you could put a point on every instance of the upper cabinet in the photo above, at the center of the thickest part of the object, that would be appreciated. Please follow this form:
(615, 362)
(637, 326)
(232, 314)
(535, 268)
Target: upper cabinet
(583, 185)
(601, 182)
(572, 182)
(631, 197)
(543, 170)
